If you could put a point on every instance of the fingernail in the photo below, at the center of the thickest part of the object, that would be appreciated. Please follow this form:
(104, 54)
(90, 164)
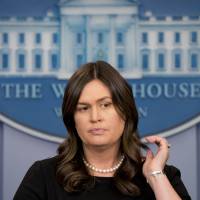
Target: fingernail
(148, 152)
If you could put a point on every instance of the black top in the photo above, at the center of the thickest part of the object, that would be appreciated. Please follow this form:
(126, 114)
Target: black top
(40, 183)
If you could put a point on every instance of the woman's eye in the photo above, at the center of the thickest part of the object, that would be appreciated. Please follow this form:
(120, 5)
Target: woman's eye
(82, 109)
(106, 105)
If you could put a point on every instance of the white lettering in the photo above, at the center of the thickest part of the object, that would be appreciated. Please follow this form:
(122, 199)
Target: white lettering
(7, 89)
(154, 90)
(11, 90)
(58, 112)
(143, 111)
(195, 90)
(170, 90)
(184, 91)
(58, 90)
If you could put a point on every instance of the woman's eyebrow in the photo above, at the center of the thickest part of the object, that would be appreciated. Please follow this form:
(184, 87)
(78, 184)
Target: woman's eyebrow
(82, 103)
(98, 100)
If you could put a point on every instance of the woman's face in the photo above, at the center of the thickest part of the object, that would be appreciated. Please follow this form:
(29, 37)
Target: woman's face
(96, 119)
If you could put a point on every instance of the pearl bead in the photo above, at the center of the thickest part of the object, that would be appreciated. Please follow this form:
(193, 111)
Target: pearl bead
(112, 169)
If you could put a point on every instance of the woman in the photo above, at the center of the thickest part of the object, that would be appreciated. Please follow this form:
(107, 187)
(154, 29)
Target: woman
(101, 157)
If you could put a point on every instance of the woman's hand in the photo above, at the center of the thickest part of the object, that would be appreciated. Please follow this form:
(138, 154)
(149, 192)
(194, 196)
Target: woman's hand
(160, 185)
(157, 161)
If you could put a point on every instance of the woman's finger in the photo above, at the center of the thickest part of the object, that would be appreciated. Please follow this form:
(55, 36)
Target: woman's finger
(159, 141)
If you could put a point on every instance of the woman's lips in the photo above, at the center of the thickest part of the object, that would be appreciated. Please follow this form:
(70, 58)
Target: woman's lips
(97, 131)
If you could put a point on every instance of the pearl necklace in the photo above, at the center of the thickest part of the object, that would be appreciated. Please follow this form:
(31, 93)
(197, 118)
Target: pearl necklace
(112, 169)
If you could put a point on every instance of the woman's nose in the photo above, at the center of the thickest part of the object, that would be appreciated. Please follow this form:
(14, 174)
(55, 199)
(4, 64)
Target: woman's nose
(95, 114)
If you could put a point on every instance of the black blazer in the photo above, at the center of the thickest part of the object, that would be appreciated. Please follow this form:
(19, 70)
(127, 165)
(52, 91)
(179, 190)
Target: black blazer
(40, 183)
